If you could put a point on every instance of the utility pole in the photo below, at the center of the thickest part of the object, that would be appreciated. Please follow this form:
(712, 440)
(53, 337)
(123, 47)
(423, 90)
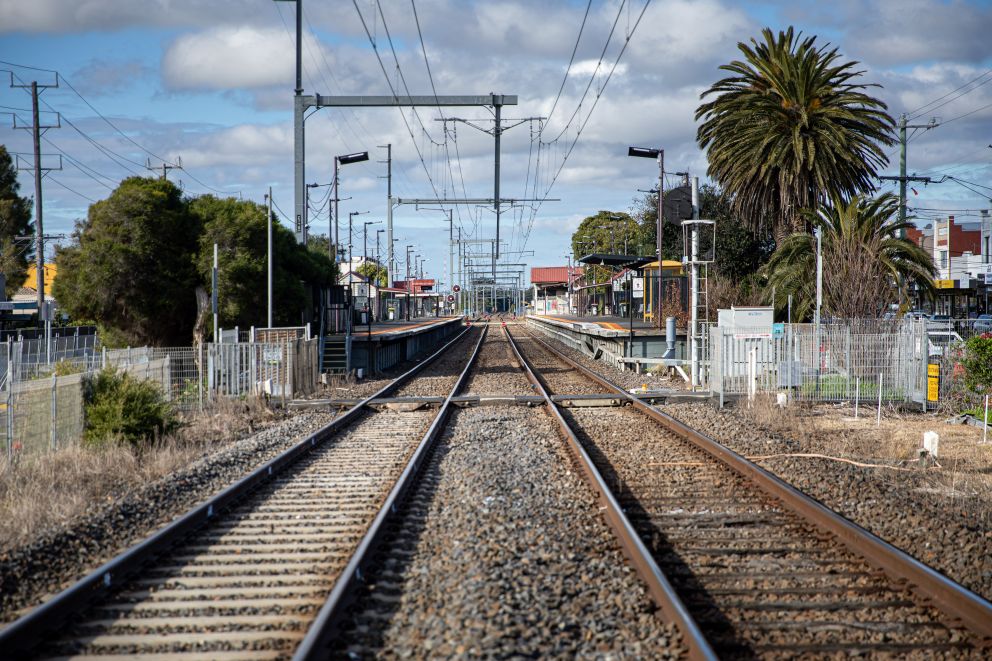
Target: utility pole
(903, 179)
(37, 130)
(165, 167)
(268, 228)
(389, 212)
(299, 148)
(497, 133)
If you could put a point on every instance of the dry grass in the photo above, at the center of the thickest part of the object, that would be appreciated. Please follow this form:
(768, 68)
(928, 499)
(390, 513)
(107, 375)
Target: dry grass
(50, 489)
(964, 467)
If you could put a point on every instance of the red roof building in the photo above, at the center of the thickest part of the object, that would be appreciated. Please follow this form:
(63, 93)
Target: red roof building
(543, 276)
(415, 285)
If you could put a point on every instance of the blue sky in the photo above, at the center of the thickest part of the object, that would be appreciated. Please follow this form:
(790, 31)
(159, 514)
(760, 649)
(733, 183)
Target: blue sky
(211, 83)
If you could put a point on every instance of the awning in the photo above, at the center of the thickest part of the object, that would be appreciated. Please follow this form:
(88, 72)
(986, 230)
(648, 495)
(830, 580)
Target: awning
(632, 262)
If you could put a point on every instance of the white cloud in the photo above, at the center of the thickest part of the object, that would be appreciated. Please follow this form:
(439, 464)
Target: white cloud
(232, 57)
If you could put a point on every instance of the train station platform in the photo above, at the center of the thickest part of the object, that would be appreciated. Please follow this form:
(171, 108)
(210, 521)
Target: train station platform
(610, 339)
(387, 343)
(606, 326)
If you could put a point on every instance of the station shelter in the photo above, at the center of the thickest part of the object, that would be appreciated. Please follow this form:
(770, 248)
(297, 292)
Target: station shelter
(670, 285)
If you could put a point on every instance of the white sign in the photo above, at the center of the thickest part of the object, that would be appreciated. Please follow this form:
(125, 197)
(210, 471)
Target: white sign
(638, 287)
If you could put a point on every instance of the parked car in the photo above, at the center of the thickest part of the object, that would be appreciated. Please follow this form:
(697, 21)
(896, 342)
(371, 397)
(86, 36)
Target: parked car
(938, 340)
(983, 324)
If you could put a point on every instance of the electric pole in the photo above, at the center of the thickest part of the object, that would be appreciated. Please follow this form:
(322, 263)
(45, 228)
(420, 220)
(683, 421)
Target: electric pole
(389, 212)
(903, 179)
(497, 133)
(165, 167)
(37, 130)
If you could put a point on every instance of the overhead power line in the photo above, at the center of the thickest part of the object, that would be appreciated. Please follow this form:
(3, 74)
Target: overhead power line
(926, 108)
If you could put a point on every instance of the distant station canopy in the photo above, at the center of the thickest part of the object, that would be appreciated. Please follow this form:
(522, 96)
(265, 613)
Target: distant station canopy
(632, 262)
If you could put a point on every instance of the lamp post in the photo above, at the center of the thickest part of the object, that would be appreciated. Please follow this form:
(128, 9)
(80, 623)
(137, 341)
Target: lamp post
(659, 154)
(365, 260)
(351, 217)
(344, 159)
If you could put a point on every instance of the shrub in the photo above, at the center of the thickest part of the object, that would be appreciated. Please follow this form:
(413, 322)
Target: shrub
(977, 363)
(65, 367)
(121, 407)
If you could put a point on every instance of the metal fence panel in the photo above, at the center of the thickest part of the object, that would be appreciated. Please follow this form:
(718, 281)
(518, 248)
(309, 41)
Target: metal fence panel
(41, 394)
(832, 362)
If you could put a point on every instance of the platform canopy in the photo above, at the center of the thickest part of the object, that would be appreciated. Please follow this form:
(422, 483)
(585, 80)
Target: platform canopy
(632, 262)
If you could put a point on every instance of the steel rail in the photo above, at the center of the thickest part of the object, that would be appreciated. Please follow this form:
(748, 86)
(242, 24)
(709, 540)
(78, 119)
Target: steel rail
(963, 605)
(28, 630)
(328, 621)
(661, 590)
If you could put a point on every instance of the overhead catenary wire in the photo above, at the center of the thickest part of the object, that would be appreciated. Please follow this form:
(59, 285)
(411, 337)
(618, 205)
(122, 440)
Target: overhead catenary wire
(392, 90)
(581, 128)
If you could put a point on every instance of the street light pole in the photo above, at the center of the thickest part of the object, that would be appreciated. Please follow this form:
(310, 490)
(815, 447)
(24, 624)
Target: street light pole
(344, 159)
(351, 217)
(659, 154)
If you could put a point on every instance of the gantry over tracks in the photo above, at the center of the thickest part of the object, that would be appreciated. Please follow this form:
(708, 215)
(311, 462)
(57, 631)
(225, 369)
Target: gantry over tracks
(743, 562)
(243, 574)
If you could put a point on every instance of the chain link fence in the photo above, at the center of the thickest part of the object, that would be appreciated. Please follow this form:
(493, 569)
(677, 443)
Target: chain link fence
(42, 400)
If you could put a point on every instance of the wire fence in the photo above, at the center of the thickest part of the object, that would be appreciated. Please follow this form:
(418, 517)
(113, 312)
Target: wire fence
(42, 400)
(838, 361)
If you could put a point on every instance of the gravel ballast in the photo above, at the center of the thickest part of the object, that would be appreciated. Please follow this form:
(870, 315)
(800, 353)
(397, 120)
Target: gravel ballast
(950, 534)
(502, 553)
(64, 554)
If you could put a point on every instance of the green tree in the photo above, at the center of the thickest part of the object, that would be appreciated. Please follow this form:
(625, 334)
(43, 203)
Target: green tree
(375, 272)
(790, 129)
(613, 232)
(740, 252)
(862, 260)
(238, 227)
(15, 221)
(131, 265)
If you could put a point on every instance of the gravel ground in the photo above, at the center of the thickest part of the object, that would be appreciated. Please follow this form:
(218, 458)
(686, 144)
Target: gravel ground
(503, 554)
(947, 533)
(438, 379)
(59, 556)
(628, 380)
(496, 370)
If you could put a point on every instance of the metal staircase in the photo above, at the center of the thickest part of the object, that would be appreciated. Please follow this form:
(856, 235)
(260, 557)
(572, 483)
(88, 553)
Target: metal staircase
(334, 354)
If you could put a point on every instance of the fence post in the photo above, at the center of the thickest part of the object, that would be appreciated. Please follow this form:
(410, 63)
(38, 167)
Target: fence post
(878, 419)
(10, 401)
(199, 374)
(847, 381)
(103, 357)
(54, 428)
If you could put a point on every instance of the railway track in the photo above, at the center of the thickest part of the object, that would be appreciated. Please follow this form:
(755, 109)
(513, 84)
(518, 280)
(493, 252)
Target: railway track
(739, 564)
(759, 568)
(244, 574)
(497, 549)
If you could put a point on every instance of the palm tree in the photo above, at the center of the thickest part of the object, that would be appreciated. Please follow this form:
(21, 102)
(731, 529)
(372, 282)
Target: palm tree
(790, 129)
(863, 258)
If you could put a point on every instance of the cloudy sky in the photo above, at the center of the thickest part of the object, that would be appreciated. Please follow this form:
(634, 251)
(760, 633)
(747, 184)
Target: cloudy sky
(211, 83)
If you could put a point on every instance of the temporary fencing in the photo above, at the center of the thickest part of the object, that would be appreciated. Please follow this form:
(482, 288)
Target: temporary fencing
(843, 360)
(42, 401)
